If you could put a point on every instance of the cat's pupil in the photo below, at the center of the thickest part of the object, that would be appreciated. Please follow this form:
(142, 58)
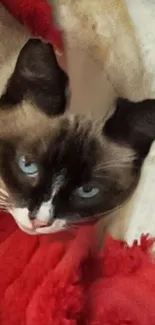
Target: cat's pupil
(87, 188)
(28, 163)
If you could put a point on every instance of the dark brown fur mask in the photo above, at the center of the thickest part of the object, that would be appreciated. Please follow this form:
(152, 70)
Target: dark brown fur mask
(59, 171)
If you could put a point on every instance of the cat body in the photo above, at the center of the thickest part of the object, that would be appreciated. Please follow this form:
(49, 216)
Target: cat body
(59, 170)
(117, 40)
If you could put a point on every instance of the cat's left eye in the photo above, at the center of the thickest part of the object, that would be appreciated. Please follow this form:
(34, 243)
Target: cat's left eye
(87, 192)
(27, 167)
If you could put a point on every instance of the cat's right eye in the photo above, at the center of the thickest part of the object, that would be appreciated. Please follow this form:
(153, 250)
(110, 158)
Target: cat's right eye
(87, 191)
(27, 167)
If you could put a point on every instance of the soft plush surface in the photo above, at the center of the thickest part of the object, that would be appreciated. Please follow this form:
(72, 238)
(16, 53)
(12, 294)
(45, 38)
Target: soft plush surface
(37, 16)
(61, 280)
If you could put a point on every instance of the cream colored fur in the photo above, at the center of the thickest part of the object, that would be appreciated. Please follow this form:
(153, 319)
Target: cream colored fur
(114, 38)
(12, 38)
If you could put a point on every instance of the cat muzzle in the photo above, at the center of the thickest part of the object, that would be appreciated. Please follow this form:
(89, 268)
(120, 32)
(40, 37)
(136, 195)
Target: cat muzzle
(40, 224)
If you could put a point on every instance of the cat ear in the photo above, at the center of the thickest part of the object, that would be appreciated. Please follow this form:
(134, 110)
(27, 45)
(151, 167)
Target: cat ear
(37, 76)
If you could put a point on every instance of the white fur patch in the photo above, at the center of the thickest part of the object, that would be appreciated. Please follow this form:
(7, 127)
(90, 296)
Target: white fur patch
(21, 216)
(44, 214)
(57, 225)
(46, 211)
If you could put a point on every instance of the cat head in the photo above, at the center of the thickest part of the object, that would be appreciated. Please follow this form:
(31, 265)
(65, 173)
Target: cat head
(62, 170)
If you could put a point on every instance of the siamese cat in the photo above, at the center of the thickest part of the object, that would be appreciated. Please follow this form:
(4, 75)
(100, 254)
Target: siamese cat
(60, 170)
(111, 48)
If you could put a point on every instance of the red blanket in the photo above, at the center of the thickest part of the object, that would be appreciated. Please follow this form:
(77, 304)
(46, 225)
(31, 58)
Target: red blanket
(37, 16)
(61, 280)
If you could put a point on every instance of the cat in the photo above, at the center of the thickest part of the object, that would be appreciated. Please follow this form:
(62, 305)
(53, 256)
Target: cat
(111, 48)
(57, 169)
(61, 170)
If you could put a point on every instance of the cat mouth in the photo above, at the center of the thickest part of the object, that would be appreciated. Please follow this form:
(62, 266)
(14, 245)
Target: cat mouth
(42, 229)
(41, 224)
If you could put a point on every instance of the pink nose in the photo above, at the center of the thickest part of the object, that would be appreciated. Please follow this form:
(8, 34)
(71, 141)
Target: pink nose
(38, 223)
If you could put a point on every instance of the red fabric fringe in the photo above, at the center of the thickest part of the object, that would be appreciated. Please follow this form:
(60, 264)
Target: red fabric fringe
(37, 16)
(58, 279)
(61, 279)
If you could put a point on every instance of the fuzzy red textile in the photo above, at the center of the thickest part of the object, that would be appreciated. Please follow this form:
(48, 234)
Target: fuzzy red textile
(61, 280)
(37, 16)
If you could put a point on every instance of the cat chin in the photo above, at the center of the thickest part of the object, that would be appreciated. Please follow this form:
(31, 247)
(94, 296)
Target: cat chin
(20, 215)
(57, 226)
(27, 230)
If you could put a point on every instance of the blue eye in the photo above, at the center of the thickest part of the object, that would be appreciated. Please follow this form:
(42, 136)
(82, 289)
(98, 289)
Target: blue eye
(27, 167)
(87, 192)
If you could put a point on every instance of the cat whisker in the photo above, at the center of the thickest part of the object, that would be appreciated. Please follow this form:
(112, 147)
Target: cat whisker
(112, 166)
(5, 193)
(113, 163)
(2, 207)
(3, 198)
(4, 210)
(94, 218)
(4, 203)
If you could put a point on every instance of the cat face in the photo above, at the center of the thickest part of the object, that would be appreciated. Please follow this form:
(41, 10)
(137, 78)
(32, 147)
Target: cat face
(63, 174)
(60, 170)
